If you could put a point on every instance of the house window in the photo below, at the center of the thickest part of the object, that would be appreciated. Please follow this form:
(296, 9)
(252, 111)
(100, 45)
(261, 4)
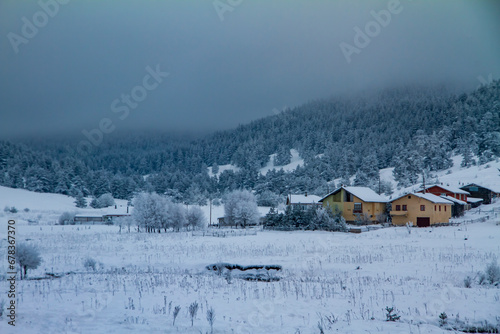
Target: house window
(358, 208)
(440, 208)
(435, 208)
(405, 208)
(422, 208)
(409, 196)
(445, 208)
(398, 207)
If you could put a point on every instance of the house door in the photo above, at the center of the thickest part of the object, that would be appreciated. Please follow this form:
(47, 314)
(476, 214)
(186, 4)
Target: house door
(423, 221)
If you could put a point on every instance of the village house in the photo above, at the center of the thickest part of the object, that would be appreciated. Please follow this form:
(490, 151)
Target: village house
(447, 190)
(356, 204)
(458, 207)
(420, 209)
(303, 201)
(487, 194)
(453, 194)
(86, 219)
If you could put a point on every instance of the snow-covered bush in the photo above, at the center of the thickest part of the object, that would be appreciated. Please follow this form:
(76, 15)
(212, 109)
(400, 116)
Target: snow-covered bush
(468, 282)
(10, 209)
(90, 263)
(443, 319)
(309, 219)
(362, 219)
(240, 208)
(211, 318)
(28, 257)
(66, 218)
(391, 315)
(493, 273)
(102, 201)
(193, 309)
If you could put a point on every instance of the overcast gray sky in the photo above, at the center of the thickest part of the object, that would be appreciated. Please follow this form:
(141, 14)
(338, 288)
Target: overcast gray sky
(262, 55)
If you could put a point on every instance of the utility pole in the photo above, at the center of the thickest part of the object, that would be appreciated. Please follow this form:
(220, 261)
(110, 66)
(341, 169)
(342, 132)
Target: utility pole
(423, 180)
(210, 222)
(379, 184)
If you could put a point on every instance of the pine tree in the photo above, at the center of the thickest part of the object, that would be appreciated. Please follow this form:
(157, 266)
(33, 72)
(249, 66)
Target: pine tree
(80, 200)
(283, 156)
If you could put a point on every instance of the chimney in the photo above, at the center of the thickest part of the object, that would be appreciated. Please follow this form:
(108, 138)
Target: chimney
(306, 193)
(115, 206)
(127, 208)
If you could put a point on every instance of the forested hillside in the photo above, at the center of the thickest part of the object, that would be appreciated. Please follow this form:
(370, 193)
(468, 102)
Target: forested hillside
(412, 129)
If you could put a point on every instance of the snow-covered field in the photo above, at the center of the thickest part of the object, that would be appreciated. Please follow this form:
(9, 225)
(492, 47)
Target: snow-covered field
(352, 277)
(345, 278)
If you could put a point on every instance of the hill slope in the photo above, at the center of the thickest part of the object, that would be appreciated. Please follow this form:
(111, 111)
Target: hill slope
(411, 129)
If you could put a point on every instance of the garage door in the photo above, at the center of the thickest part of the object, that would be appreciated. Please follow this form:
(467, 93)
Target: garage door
(423, 221)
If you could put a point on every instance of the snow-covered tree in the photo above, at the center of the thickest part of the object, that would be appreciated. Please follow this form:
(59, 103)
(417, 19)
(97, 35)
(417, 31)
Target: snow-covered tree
(283, 156)
(106, 200)
(151, 212)
(196, 218)
(80, 201)
(240, 208)
(102, 201)
(177, 216)
(28, 257)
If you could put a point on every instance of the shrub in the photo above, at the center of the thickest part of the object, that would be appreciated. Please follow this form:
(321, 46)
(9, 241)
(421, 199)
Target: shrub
(90, 263)
(28, 257)
(193, 309)
(493, 273)
(362, 219)
(468, 282)
(26, 210)
(66, 218)
(481, 278)
(390, 316)
(211, 319)
(13, 209)
(443, 319)
(102, 201)
(177, 309)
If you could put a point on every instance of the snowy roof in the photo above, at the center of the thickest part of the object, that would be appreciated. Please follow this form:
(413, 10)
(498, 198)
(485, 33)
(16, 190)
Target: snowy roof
(453, 199)
(363, 193)
(493, 188)
(88, 215)
(430, 197)
(452, 189)
(304, 199)
(474, 200)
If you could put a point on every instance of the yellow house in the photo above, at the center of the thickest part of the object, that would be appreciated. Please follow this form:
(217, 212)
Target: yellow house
(355, 202)
(420, 209)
